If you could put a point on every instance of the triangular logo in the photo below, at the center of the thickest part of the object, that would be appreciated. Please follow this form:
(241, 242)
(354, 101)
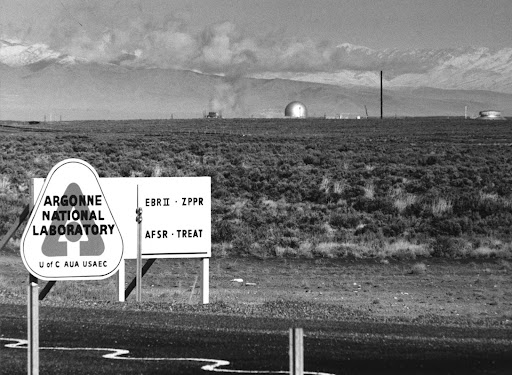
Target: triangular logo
(71, 233)
(76, 221)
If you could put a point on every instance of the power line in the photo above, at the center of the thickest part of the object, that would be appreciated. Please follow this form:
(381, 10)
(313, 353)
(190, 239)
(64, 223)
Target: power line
(66, 9)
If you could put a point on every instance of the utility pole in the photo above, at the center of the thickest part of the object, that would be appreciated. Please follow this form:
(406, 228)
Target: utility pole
(381, 105)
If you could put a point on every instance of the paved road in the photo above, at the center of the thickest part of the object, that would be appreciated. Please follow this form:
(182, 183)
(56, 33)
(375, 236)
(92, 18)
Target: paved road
(99, 341)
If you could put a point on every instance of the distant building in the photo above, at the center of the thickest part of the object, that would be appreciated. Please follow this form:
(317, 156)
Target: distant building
(490, 115)
(213, 115)
(296, 110)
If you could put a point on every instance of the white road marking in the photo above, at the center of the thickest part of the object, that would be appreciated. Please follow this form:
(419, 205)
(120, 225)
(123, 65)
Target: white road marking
(212, 366)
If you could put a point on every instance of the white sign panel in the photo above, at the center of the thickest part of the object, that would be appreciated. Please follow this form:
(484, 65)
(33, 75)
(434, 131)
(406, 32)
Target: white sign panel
(176, 214)
(71, 233)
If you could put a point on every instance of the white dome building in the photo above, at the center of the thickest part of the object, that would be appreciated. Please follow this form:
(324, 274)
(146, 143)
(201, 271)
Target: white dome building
(296, 110)
(490, 115)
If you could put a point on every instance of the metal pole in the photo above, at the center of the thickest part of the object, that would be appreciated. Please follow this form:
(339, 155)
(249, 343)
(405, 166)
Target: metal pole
(33, 326)
(138, 282)
(32, 310)
(12, 230)
(296, 351)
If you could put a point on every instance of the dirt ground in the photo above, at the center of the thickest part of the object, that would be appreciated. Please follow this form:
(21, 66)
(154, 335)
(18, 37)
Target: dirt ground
(458, 291)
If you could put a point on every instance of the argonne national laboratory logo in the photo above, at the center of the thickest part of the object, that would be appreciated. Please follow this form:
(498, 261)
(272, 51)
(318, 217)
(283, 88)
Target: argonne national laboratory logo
(71, 233)
(75, 218)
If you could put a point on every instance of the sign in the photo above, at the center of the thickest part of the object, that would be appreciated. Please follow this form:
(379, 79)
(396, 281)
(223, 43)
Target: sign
(71, 233)
(176, 214)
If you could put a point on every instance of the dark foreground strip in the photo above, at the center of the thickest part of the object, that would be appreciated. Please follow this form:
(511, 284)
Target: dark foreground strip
(120, 354)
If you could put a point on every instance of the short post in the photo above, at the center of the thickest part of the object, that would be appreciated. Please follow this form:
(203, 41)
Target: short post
(33, 326)
(121, 275)
(205, 280)
(296, 351)
(138, 282)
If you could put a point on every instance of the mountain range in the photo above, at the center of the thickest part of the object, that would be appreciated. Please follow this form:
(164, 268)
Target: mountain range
(36, 81)
(452, 69)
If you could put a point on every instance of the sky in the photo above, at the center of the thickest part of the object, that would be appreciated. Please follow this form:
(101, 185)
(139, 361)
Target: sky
(377, 24)
(268, 38)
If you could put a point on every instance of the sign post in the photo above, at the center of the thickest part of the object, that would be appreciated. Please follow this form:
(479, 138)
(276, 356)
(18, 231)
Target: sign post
(138, 277)
(32, 313)
(32, 326)
(296, 351)
(205, 281)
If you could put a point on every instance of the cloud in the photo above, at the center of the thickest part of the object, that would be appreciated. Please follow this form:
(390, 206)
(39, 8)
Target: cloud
(123, 34)
(85, 30)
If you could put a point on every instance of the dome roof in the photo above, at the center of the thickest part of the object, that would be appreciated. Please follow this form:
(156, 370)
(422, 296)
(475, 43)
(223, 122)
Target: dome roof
(296, 109)
(491, 115)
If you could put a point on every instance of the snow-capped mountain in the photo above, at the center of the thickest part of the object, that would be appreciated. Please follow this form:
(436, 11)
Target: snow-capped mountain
(457, 68)
(17, 54)
(461, 68)
(471, 69)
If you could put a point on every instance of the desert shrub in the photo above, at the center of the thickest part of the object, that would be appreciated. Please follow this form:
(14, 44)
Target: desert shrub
(485, 252)
(368, 230)
(418, 269)
(445, 246)
(402, 202)
(490, 248)
(326, 250)
(222, 231)
(279, 251)
(430, 160)
(290, 242)
(311, 160)
(305, 249)
(125, 170)
(441, 206)
(374, 205)
(360, 249)
(394, 227)
(403, 249)
(243, 239)
(345, 220)
(259, 251)
(222, 249)
(369, 190)
(505, 265)
(445, 227)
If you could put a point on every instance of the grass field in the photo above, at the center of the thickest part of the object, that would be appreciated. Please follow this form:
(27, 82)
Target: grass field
(322, 218)
(312, 188)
